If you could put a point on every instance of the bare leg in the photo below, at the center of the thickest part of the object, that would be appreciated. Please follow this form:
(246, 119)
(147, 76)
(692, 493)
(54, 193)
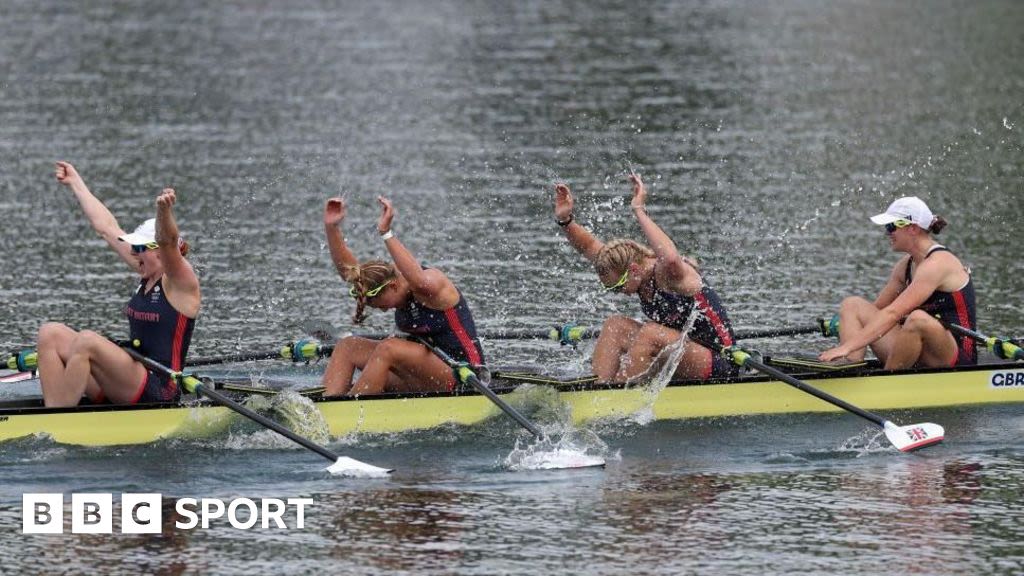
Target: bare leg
(617, 333)
(350, 353)
(651, 340)
(95, 362)
(854, 313)
(921, 339)
(54, 349)
(421, 370)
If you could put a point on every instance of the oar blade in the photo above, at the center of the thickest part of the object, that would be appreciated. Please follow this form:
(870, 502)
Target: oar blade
(351, 467)
(560, 459)
(914, 436)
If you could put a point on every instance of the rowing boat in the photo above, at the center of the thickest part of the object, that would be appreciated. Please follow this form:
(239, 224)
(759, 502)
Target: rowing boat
(586, 401)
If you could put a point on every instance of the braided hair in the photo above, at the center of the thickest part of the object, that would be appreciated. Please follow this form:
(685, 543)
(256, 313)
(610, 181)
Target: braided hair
(616, 256)
(364, 276)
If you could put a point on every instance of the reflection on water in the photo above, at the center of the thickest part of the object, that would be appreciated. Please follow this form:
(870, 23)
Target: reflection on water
(904, 515)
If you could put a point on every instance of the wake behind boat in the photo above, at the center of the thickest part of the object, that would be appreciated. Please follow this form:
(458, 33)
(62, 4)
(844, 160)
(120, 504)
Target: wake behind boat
(868, 386)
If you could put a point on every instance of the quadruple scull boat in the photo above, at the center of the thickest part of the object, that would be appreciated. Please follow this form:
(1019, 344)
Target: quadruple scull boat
(869, 387)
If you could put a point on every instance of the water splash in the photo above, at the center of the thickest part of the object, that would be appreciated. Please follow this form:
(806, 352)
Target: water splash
(870, 441)
(568, 449)
(655, 379)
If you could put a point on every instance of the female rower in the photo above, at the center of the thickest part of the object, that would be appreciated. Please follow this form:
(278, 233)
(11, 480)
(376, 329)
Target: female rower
(900, 326)
(161, 314)
(427, 305)
(669, 286)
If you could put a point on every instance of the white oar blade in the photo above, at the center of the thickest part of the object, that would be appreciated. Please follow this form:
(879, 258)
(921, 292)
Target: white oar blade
(559, 459)
(914, 436)
(351, 467)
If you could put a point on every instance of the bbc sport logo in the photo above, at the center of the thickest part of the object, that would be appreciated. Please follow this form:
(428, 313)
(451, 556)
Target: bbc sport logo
(93, 513)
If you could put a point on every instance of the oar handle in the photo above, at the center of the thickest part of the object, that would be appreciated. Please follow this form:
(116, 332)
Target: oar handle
(1003, 348)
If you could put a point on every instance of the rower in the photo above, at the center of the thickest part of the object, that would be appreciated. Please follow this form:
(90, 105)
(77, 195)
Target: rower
(427, 305)
(900, 326)
(161, 313)
(669, 287)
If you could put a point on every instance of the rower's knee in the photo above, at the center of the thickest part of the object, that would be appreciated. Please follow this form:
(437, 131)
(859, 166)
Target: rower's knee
(87, 342)
(345, 343)
(388, 350)
(918, 321)
(49, 334)
(617, 322)
(853, 304)
(650, 332)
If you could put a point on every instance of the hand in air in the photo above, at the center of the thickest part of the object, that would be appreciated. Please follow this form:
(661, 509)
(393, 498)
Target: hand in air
(334, 211)
(386, 215)
(66, 173)
(166, 199)
(639, 191)
(563, 202)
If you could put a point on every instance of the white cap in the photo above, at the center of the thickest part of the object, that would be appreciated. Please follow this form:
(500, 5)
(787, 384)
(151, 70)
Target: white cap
(144, 234)
(909, 208)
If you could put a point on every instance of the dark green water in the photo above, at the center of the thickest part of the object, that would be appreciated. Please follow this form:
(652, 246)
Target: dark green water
(769, 132)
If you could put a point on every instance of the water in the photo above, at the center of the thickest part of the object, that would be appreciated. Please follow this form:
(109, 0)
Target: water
(768, 133)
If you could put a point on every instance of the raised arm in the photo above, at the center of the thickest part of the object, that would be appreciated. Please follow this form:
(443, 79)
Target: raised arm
(432, 287)
(344, 260)
(579, 237)
(100, 218)
(677, 270)
(182, 285)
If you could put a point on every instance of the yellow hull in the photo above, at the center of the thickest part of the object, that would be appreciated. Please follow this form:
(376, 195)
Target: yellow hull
(112, 425)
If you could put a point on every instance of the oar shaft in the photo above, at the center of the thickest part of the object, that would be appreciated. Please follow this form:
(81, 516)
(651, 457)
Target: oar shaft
(467, 375)
(264, 421)
(1001, 347)
(744, 359)
(233, 358)
(196, 386)
(773, 332)
(481, 388)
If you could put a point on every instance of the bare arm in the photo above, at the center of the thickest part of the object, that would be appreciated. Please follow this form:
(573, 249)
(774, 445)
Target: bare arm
(344, 260)
(100, 218)
(579, 237)
(678, 272)
(894, 286)
(431, 287)
(182, 285)
(927, 279)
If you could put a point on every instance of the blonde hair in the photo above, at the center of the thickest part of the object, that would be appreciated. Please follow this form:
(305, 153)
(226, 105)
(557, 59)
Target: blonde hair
(365, 276)
(618, 254)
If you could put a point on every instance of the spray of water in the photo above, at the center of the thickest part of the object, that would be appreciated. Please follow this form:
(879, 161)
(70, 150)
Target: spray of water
(654, 380)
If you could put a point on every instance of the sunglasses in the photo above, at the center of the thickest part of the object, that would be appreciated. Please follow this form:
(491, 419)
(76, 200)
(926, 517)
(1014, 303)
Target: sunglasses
(369, 293)
(894, 226)
(617, 287)
(140, 248)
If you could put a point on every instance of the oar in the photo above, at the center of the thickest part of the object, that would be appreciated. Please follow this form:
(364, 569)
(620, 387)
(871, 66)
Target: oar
(905, 438)
(311, 349)
(820, 326)
(467, 376)
(1003, 348)
(341, 464)
(298, 351)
